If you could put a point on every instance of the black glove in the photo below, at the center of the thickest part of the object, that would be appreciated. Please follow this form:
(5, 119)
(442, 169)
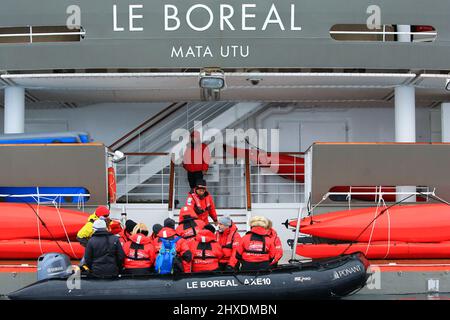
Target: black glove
(198, 210)
(229, 268)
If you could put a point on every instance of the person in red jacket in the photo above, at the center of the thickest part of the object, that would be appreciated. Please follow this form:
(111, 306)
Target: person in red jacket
(196, 158)
(139, 252)
(201, 202)
(182, 247)
(206, 251)
(156, 229)
(126, 233)
(256, 250)
(277, 242)
(229, 238)
(190, 225)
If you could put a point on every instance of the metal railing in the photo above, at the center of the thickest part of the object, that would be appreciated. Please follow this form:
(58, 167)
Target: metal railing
(277, 185)
(134, 184)
(234, 185)
(155, 133)
(226, 182)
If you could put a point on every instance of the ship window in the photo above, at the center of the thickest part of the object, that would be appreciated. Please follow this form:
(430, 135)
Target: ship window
(386, 33)
(45, 195)
(33, 34)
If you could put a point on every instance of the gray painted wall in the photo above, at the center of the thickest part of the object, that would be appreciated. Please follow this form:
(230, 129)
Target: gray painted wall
(311, 47)
(106, 122)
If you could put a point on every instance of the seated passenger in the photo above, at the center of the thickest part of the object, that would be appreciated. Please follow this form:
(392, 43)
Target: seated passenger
(190, 225)
(104, 254)
(127, 232)
(172, 251)
(87, 230)
(156, 229)
(139, 252)
(201, 202)
(256, 250)
(277, 242)
(206, 251)
(229, 238)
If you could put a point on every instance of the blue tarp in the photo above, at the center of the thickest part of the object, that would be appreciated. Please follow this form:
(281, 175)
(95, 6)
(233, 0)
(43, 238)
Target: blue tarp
(45, 138)
(58, 194)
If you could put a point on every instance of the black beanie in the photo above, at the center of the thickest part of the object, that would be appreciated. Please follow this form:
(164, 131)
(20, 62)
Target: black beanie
(157, 228)
(200, 182)
(129, 225)
(210, 227)
(169, 223)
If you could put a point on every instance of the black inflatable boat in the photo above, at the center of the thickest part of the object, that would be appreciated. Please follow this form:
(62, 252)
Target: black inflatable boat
(321, 279)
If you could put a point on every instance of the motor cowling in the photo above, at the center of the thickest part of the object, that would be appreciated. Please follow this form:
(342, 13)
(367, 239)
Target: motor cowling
(53, 265)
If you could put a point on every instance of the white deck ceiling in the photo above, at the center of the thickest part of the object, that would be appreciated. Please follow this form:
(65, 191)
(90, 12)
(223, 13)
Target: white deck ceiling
(78, 89)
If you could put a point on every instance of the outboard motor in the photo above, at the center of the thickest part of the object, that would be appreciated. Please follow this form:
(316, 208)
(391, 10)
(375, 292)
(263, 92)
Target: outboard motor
(53, 265)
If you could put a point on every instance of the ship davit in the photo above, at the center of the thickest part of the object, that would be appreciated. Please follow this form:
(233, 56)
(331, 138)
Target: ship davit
(417, 231)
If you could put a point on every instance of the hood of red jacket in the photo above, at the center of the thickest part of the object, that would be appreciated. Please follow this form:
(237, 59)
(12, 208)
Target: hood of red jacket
(167, 233)
(139, 238)
(205, 236)
(260, 230)
(188, 212)
(272, 233)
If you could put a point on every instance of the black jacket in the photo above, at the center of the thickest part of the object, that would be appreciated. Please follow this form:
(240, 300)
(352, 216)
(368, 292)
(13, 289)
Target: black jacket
(104, 254)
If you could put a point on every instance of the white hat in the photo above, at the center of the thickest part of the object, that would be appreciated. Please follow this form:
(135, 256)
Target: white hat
(259, 221)
(226, 221)
(99, 224)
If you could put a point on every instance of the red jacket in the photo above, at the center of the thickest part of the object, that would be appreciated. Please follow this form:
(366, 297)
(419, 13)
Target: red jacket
(206, 252)
(182, 247)
(196, 158)
(139, 252)
(229, 240)
(278, 246)
(188, 229)
(203, 207)
(124, 237)
(255, 247)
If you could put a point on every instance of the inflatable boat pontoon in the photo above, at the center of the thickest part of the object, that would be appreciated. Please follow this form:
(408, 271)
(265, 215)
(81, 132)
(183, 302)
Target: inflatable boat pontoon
(321, 279)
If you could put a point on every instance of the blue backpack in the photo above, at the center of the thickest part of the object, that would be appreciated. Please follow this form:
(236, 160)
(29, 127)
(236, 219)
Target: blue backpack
(164, 260)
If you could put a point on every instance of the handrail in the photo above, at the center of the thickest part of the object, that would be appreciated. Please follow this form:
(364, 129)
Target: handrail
(168, 153)
(157, 118)
(247, 169)
(171, 183)
(247, 180)
(146, 153)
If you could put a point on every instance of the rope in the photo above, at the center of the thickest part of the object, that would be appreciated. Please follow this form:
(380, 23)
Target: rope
(435, 197)
(381, 213)
(389, 233)
(65, 231)
(373, 228)
(45, 226)
(37, 222)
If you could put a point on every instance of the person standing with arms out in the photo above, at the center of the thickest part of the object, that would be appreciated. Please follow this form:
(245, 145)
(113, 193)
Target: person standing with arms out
(201, 202)
(104, 254)
(196, 158)
(229, 238)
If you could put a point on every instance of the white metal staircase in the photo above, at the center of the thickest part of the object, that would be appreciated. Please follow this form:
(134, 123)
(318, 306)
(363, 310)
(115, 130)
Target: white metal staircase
(217, 115)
